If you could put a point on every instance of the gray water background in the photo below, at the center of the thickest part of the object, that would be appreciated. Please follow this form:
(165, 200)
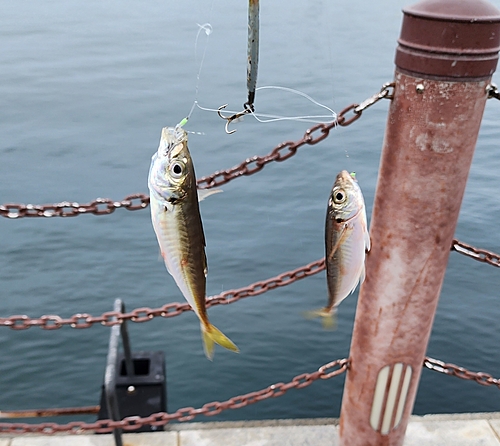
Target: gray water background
(85, 88)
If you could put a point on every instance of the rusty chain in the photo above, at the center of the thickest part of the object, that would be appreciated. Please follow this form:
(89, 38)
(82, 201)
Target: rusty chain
(482, 378)
(282, 152)
(327, 371)
(481, 255)
(144, 314)
(100, 206)
(51, 412)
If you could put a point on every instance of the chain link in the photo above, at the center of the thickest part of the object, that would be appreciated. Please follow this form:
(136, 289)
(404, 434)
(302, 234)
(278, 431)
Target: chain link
(282, 152)
(387, 91)
(482, 378)
(481, 255)
(144, 314)
(327, 371)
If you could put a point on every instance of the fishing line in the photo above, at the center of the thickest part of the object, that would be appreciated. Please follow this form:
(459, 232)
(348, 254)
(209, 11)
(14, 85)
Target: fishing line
(332, 114)
(207, 29)
(266, 118)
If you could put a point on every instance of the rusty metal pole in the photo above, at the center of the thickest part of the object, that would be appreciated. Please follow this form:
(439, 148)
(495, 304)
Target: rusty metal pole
(447, 52)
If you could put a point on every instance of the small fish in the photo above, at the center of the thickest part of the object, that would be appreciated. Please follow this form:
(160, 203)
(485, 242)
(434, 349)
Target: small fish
(177, 223)
(346, 241)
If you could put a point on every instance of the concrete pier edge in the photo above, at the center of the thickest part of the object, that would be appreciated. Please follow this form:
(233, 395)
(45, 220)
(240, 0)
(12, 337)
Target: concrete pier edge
(461, 429)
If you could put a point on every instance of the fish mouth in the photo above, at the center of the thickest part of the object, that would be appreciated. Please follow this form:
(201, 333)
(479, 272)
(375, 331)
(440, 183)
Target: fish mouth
(173, 134)
(170, 138)
(346, 176)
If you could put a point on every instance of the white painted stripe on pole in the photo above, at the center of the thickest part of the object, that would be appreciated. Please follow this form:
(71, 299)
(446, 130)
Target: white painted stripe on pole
(391, 398)
(378, 397)
(403, 395)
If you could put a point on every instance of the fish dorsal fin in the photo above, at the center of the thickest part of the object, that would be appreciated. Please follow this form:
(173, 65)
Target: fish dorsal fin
(204, 193)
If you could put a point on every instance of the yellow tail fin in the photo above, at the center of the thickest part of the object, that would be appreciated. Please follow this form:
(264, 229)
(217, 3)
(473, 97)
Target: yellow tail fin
(210, 335)
(328, 317)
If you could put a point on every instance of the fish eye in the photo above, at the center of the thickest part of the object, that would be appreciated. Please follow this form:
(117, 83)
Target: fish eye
(339, 196)
(176, 169)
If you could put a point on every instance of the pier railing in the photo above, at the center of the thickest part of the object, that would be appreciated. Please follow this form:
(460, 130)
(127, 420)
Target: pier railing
(84, 320)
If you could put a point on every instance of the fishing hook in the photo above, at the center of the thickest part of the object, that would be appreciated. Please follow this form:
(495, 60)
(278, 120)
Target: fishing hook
(248, 109)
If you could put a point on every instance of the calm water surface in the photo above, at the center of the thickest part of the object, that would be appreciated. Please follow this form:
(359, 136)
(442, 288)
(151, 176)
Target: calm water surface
(85, 88)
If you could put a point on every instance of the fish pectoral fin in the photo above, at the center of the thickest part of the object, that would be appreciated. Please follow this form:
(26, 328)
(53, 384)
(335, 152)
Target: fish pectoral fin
(344, 232)
(361, 279)
(367, 241)
(328, 317)
(362, 276)
(211, 335)
(204, 193)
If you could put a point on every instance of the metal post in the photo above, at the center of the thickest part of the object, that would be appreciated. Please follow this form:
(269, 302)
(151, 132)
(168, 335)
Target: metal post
(447, 53)
(127, 351)
(253, 51)
(110, 382)
(111, 372)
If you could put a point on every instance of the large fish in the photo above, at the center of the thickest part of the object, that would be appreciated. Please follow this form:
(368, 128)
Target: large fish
(177, 223)
(346, 241)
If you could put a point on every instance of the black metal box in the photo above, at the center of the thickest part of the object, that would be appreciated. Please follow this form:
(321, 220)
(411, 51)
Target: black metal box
(142, 394)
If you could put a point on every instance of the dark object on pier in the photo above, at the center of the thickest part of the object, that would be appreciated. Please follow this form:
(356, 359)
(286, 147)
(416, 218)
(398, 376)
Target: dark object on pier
(142, 393)
(134, 383)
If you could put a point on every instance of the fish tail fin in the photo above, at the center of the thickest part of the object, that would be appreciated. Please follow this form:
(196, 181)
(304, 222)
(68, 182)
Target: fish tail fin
(328, 317)
(212, 335)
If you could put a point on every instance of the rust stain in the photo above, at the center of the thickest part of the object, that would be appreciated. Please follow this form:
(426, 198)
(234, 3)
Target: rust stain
(409, 297)
(377, 322)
